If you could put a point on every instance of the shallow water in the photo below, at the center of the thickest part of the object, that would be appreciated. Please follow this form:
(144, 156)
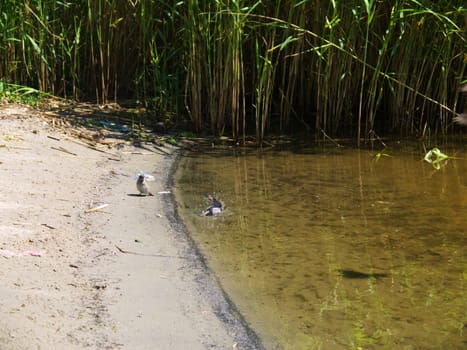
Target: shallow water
(330, 249)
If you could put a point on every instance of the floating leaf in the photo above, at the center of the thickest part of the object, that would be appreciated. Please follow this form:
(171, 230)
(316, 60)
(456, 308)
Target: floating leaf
(435, 157)
(381, 154)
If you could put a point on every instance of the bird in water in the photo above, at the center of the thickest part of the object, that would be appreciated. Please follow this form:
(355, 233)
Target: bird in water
(461, 119)
(142, 185)
(217, 206)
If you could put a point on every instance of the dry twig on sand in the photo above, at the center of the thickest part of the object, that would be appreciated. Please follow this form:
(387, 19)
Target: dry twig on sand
(61, 149)
(99, 207)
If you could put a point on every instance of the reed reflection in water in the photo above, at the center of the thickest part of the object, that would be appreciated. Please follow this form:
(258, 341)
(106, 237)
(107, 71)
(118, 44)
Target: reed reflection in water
(333, 250)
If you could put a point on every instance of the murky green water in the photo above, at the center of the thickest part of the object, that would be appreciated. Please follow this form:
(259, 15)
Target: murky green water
(331, 249)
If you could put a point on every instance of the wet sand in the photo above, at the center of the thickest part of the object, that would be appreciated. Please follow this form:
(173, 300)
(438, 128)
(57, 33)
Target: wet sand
(125, 276)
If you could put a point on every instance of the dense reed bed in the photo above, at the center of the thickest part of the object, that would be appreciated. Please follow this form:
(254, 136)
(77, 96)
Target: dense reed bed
(355, 68)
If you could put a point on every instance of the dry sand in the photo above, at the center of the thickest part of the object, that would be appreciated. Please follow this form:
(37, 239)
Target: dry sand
(122, 277)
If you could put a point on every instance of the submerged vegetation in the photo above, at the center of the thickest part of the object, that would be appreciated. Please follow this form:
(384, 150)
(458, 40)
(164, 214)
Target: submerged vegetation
(354, 68)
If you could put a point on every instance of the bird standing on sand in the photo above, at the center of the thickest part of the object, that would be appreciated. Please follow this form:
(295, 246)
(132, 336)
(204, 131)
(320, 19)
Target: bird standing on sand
(142, 186)
(461, 118)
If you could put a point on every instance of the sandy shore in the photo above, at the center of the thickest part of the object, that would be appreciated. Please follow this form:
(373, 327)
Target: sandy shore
(121, 277)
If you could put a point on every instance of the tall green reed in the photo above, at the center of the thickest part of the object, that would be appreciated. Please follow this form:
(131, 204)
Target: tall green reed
(235, 67)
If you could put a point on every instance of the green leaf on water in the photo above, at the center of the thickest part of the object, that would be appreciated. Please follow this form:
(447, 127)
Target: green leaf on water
(435, 157)
(381, 154)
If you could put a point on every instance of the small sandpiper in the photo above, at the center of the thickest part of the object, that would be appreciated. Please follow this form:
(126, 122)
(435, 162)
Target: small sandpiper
(217, 206)
(142, 186)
